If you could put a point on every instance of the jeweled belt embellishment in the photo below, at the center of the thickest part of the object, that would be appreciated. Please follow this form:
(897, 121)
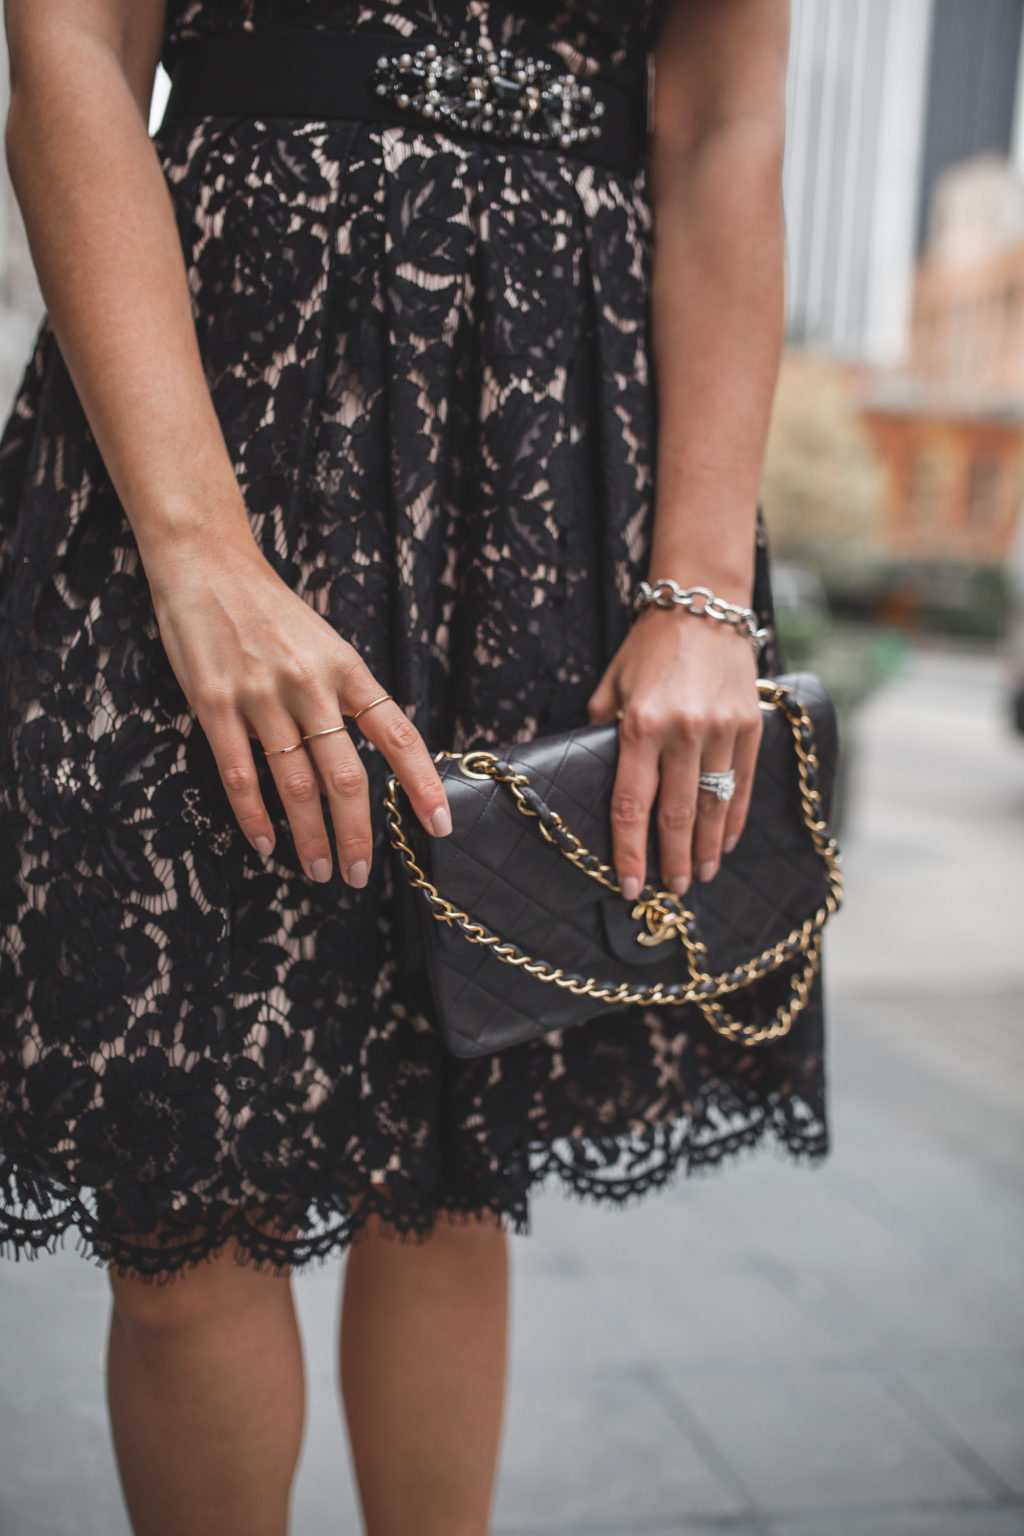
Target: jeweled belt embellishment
(509, 95)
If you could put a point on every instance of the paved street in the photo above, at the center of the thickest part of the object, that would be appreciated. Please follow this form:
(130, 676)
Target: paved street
(771, 1350)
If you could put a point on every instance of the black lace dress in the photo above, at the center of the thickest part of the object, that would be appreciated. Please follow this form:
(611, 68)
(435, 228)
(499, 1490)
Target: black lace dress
(431, 363)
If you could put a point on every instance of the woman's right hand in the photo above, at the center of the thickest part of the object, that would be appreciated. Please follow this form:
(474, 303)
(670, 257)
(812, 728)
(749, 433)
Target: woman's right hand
(252, 658)
(255, 660)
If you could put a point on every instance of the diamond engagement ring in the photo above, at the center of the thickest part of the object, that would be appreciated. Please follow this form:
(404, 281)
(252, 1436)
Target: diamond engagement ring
(721, 785)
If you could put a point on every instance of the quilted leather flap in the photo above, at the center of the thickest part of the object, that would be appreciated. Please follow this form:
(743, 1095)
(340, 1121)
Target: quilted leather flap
(771, 882)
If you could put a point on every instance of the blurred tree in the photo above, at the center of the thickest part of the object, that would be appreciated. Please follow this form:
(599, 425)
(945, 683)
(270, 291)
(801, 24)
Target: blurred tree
(823, 484)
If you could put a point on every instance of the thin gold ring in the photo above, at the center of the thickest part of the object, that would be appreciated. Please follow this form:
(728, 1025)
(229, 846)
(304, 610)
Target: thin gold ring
(329, 732)
(372, 702)
(277, 751)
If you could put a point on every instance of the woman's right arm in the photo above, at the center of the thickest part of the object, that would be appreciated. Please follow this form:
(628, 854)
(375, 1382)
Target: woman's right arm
(251, 656)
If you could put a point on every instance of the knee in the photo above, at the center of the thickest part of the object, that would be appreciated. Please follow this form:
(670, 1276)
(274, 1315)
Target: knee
(202, 1296)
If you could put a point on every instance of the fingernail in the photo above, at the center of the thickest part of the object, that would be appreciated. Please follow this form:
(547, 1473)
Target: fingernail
(320, 869)
(730, 842)
(441, 821)
(264, 847)
(680, 885)
(706, 871)
(358, 873)
(631, 887)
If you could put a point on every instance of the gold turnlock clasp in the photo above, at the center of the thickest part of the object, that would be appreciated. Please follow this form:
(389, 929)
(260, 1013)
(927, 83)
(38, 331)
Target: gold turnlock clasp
(468, 759)
(661, 923)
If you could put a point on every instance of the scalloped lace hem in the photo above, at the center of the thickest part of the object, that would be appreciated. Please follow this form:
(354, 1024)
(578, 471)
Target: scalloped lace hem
(37, 1212)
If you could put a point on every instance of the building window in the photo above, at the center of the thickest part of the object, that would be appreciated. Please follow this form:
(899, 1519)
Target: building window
(983, 493)
(924, 491)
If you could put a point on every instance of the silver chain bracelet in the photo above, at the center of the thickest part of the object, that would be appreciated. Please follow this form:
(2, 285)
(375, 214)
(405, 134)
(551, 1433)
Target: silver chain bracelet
(669, 594)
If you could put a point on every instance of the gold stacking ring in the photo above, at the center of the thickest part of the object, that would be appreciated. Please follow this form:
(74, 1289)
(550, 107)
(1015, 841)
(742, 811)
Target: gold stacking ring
(329, 732)
(277, 751)
(372, 702)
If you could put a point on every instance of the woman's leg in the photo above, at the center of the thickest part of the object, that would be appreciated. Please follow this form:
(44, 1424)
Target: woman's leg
(423, 1356)
(206, 1395)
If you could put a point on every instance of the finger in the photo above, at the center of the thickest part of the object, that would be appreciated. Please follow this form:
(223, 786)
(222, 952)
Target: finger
(232, 749)
(709, 828)
(633, 794)
(603, 703)
(299, 791)
(389, 728)
(744, 762)
(677, 812)
(339, 768)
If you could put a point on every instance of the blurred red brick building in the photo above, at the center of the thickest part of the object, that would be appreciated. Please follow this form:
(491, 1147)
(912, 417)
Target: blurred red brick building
(950, 429)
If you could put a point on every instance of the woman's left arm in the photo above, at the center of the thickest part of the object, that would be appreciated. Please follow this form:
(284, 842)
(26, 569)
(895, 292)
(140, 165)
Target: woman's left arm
(683, 687)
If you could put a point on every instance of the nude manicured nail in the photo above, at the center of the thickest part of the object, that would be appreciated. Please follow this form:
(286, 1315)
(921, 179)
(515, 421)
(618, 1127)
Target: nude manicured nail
(631, 887)
(680, 885)
(320, 869)
(441, 821)
(264, 847)
(730, 842)
(358, 873)
(706, 871)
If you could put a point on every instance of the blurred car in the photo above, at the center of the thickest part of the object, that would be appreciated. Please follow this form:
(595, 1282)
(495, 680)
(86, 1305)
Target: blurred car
(798, 590)
(851, 658)
(1015, 628)
(806, 634)
(803, 622)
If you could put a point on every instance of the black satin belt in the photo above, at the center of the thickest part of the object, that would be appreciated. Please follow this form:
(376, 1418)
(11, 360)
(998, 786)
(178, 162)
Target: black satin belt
(320, 75)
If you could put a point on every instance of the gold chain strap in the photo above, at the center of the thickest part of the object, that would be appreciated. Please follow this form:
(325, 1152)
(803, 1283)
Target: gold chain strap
(663, 913)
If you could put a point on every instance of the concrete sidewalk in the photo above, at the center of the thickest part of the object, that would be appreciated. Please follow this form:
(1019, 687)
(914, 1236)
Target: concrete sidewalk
(770, 1350)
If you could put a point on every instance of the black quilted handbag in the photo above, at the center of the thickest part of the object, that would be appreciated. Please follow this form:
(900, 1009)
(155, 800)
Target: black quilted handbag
(525, 926)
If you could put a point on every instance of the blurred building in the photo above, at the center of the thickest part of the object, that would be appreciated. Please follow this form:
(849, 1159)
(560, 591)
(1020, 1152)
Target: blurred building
(973, 98)
(967, 336)
(950, 428)
(857, 87)
(905, 249)
(884, 96)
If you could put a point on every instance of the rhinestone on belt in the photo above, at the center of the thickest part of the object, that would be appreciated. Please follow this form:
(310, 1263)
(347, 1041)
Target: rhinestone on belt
(509, 95)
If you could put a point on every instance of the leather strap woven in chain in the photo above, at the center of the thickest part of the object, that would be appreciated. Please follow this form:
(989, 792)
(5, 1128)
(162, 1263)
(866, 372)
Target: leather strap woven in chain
(663, 913)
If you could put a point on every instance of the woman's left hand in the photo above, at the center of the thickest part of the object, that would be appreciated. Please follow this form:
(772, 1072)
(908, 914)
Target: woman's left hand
(683, 689)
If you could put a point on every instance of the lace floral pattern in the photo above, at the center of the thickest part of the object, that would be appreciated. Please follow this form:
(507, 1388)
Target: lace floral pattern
(431, 363)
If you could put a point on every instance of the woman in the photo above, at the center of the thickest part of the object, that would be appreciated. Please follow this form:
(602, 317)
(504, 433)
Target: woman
(351, 419)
